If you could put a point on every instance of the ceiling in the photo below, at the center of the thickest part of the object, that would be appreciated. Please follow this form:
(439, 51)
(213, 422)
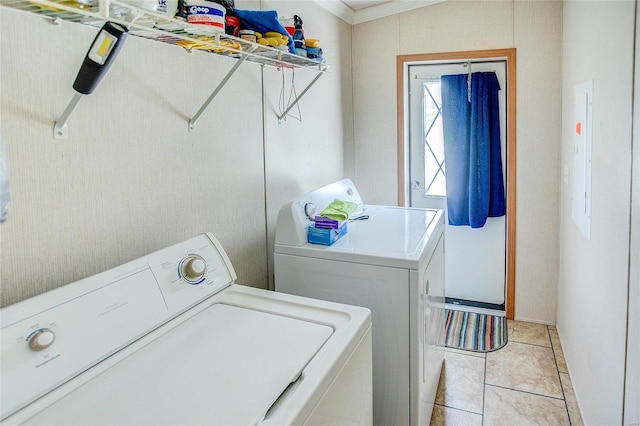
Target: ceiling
(359, 11)
(363, 4)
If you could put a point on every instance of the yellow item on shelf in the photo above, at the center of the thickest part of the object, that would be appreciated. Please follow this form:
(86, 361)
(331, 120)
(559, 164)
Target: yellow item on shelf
(258, 35)
(273, 41)
(275, 34)
(312, 42)
(234, 45)
(71, 3)
(225, 45)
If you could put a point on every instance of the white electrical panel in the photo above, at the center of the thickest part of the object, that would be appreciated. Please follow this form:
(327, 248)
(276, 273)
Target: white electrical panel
(582, 145)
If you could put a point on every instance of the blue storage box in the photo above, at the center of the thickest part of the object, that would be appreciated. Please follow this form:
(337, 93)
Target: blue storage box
(325, 236)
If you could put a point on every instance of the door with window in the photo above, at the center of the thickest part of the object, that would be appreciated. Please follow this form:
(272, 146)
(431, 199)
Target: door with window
(475, 271)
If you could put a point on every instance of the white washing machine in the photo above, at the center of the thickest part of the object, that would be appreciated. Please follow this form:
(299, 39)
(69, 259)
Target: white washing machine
(168, 339)
(391, 260)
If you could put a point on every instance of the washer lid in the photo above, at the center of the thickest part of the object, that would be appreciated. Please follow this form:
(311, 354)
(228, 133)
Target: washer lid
(398, 237)
(390, 231)
(225, 366)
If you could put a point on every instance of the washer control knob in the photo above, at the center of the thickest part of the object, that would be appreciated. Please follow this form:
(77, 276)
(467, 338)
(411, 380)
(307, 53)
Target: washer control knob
(41, 339)
(193, 268)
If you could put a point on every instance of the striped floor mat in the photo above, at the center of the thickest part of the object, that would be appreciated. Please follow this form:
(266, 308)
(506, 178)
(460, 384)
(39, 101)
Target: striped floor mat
(475, 332)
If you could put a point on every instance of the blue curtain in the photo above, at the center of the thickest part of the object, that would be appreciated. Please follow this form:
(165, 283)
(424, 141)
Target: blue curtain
(473, 160)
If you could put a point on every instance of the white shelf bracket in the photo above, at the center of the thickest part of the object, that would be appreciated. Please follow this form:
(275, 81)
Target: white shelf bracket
(296, 100)
(192, 122)
(60, 130)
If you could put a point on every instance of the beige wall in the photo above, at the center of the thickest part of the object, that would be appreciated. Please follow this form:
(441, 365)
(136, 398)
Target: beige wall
(632, 376)
(130, 178)
(304, 155)
(534, 29)
(593, 278)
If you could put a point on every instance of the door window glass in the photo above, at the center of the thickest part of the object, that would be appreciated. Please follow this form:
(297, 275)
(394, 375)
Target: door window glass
(434, 167)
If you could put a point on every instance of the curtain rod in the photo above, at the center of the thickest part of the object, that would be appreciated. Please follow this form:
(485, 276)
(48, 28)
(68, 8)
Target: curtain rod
(464, 62)
(458, 62)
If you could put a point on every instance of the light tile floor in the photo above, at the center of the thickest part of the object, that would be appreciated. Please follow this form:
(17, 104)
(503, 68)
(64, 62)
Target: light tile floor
(524, 383)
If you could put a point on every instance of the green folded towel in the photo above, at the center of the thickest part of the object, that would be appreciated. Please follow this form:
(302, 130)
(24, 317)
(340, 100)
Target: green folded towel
(339, 210)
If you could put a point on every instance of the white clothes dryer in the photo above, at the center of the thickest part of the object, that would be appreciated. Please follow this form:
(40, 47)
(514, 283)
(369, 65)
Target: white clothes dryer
(168, 339)
(391, 260)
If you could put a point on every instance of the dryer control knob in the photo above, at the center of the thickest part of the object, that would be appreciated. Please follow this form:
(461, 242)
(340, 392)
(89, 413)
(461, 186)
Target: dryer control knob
(41, 339)
(193, 268)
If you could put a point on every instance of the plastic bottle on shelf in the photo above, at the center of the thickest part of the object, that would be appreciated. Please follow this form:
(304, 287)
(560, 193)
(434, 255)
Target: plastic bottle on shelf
(298, 36)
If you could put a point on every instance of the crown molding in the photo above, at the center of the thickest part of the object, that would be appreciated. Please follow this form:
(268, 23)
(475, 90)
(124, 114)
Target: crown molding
(337, 8)
(388, 9)
(344, 12)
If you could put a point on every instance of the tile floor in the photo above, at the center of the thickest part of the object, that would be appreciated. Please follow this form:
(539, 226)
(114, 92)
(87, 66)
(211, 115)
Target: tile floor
(524, 383)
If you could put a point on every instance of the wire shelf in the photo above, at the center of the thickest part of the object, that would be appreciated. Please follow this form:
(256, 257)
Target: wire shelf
(158, 27)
